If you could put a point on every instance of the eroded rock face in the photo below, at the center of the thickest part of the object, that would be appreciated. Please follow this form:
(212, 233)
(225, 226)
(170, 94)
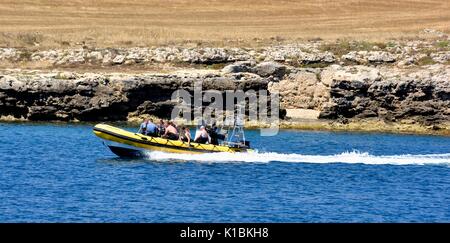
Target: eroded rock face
(270, 69)
(302, 89)
(240, 67)
(392, 95)
(388, 93)
(361, 92)
(98, 97)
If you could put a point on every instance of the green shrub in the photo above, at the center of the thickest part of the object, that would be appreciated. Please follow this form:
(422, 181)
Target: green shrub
(217, 66)
(445, 44)
(25, 55)
(339, 48)
(314, 65)
(391, 44)
(427, 60)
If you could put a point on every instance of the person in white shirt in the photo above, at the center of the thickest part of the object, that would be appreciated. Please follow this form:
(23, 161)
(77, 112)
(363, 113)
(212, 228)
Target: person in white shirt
(202, 136)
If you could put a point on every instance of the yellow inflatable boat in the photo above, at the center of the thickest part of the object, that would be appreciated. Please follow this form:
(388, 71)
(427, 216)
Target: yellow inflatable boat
(128, 144)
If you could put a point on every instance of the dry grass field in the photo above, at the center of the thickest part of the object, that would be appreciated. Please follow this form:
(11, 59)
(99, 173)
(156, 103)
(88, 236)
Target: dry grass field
(115, 23)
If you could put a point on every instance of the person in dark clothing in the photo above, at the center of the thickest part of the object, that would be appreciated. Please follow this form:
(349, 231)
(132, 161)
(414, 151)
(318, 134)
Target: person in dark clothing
(214, 134)
(185, 135)
(161, 128)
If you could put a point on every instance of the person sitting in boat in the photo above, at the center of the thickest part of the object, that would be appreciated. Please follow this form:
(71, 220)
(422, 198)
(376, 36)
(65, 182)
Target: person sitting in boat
(213, 132)
(171, 132)
(161, 128)
(174, 124)
(202, 136)
(148, 128)
(185, 135)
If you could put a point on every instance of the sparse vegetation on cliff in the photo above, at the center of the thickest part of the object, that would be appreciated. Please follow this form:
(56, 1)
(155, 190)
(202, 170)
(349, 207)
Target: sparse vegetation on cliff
(342, 47)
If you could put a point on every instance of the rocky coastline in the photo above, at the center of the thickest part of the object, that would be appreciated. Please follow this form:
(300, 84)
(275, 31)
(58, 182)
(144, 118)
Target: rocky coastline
(401, 86)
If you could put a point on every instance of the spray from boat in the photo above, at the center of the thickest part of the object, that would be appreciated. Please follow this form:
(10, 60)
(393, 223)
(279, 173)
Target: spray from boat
(354, 157)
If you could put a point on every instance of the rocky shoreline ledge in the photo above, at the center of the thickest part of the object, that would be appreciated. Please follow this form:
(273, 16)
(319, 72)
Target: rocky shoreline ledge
(401, 86)
(337, 94)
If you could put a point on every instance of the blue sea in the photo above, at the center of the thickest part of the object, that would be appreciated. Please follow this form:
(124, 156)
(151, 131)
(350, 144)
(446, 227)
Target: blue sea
(63, 173)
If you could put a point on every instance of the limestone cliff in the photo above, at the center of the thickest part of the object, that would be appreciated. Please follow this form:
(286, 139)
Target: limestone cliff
(105, 97)
(401, 81)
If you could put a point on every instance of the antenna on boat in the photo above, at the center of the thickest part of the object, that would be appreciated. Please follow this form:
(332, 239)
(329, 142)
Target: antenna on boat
(237, 135)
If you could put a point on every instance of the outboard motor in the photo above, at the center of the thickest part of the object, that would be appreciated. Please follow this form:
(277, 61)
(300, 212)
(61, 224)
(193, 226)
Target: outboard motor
(247, 143)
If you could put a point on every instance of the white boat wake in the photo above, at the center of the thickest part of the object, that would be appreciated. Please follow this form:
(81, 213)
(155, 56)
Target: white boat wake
(266, 157)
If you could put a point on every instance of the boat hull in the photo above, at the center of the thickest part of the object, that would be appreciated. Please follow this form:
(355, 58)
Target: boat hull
(127, 144)
(126, 152)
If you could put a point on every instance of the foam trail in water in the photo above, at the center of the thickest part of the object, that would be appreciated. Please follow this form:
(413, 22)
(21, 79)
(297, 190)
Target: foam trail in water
(346, 157)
